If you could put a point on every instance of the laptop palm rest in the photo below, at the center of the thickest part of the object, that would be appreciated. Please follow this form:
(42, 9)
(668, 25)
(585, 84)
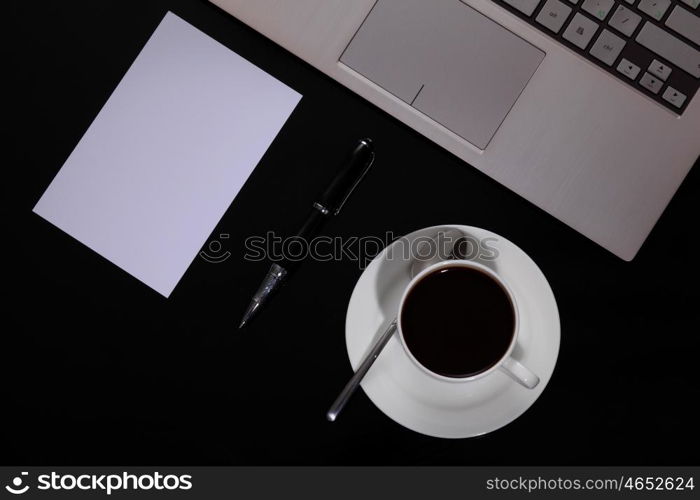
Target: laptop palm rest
(445, 59)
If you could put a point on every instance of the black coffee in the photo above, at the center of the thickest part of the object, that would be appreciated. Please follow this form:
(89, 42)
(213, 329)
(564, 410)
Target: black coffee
(457, 321)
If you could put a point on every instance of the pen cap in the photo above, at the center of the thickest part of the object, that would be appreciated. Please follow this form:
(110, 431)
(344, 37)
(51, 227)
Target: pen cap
(346, 180)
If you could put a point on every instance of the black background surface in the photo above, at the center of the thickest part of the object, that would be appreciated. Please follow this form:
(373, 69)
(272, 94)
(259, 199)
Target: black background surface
(97, 368)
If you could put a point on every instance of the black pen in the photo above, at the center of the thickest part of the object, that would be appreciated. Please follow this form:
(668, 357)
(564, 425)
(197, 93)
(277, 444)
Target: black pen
(329, 204)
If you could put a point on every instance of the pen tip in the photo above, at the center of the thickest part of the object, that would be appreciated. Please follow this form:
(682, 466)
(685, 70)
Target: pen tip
(243, 322)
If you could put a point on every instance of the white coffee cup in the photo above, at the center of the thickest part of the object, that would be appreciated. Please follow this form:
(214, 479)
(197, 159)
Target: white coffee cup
(507, 364)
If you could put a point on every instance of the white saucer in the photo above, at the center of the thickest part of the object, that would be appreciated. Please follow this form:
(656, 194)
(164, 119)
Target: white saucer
(451, 409)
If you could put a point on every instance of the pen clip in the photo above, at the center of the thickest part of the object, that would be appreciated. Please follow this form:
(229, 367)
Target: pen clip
(357, 182)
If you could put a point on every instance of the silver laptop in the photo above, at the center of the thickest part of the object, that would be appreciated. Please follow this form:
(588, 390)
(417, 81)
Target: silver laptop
(587, 108)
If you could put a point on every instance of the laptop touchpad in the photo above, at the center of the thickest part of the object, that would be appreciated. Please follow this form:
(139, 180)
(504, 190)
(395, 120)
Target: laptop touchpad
(446, 60)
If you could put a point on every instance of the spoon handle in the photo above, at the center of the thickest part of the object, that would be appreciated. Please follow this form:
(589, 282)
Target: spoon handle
(362, 370)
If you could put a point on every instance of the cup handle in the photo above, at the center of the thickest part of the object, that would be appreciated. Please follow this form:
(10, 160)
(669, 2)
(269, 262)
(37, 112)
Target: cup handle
(518, 372)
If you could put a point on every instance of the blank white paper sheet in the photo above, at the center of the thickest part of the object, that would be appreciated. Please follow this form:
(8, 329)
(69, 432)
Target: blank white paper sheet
(167, 154)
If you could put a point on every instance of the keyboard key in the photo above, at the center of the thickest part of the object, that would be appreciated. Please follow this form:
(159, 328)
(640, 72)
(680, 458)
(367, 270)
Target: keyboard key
(580, 31)
(659, 69)
(655, 8)
(607, 47)
(685, 23)
(527, 7)
(553, 15)
(624, 20)
(674, 97)
(670, 48)
(651, 83)
(628, 69)
(631, 2)
(598, 8)
(573, 1)
(692, 3)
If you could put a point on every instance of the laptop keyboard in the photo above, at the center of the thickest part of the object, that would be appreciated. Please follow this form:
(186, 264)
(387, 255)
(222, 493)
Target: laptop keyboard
(652, 45)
